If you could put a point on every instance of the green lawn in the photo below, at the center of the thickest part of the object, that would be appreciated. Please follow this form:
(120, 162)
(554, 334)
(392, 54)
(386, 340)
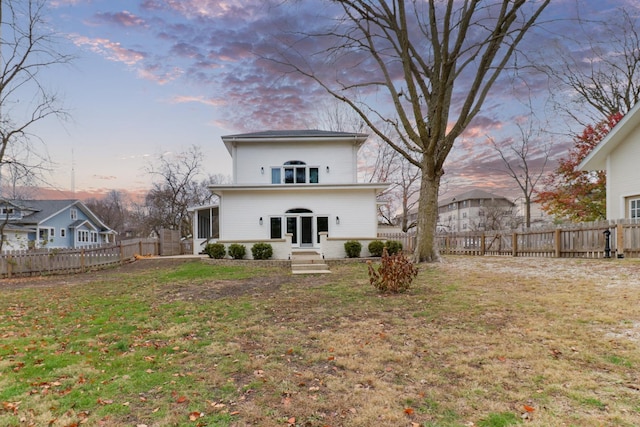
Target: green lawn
(475, 342)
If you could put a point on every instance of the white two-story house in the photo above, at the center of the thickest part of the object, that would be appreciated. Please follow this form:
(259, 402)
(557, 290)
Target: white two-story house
(297, 190)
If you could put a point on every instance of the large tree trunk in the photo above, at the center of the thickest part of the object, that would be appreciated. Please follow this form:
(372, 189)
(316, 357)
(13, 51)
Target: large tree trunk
(426, 245)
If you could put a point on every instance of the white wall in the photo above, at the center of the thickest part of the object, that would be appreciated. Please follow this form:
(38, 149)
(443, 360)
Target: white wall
(241, 211)
(251, 157)
(623, 175)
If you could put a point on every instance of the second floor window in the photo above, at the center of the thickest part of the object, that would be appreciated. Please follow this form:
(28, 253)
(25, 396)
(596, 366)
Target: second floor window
(294, 172)
(74, 214)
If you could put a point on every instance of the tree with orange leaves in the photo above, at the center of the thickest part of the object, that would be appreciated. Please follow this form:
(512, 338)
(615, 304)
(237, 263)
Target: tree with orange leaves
(573, 194)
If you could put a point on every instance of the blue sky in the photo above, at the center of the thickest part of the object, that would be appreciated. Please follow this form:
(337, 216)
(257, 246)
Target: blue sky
(153, 77)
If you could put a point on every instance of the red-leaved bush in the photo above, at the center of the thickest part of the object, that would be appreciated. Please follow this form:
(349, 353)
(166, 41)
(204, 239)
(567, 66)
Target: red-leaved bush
(394, 274)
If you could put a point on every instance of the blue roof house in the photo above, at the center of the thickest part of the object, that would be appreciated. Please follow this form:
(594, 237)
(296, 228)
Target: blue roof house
(32, 224)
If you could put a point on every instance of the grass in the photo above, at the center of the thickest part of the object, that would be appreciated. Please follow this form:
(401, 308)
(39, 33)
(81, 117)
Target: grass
(475, 342)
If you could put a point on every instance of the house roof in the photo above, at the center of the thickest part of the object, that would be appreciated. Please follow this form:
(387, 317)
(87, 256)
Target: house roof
(471, 195)
(45, 209)
(303, 135)
(597, 158)
(42, 209)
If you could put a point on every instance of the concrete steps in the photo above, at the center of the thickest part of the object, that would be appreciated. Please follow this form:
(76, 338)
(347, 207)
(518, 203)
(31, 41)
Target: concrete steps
(308, 262)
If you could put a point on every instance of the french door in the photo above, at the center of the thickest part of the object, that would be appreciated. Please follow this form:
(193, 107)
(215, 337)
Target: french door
(301, 229)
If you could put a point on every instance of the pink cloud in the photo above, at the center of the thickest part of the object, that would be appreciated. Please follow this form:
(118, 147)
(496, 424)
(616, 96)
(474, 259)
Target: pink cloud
(197, 99)
(122, 19)
(113, 51)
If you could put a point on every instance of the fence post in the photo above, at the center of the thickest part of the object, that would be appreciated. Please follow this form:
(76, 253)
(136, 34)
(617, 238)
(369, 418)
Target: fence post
(482, 244)
(557, 242)
(514, 243)
(82, 260)
(619, 239)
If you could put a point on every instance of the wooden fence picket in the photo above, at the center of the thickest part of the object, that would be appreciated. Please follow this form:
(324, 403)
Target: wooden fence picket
(55, 261)
(583, 240)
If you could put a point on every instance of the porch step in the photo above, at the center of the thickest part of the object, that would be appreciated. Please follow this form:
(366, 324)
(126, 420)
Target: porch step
(308, 262)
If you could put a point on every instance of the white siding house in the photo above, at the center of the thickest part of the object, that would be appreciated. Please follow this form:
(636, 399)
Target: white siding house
(618, 154)
(295, 190)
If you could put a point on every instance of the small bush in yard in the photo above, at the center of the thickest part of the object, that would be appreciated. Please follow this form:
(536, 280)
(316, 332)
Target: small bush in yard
(393, 247)
(376, 247)
(237, 251)
(261, 251)
(394, 274)
(352, 248)
(215, 250)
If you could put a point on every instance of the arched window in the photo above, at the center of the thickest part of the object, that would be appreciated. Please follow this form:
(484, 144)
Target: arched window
(294, 172)
(299, 210)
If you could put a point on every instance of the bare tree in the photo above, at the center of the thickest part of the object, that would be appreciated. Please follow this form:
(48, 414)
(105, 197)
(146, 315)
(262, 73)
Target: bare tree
(495, 215)
(606, 75)
(180, 186)
(436, 61)
(113, 209)
(525, 161)
(27, 48)
(378, 162)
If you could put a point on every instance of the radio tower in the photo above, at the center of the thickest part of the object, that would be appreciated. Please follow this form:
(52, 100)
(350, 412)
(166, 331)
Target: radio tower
(73, 173)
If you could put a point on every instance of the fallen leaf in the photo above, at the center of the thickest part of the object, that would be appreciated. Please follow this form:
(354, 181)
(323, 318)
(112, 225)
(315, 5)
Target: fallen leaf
(292, 420)
(181, 399)
(195, 415)
(408, 411)
(529, 408)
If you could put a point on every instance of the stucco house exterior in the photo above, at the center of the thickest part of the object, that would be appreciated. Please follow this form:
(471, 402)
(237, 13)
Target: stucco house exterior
(33, 224)
(297, 190)
(618, 155)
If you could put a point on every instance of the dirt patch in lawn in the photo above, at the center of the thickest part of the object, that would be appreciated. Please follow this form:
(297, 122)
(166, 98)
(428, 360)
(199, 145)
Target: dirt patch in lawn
(259, 285)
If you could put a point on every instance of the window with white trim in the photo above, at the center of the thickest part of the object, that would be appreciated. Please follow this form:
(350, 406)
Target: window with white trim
(294, 172)
(634, 208)
(83, 236)
(46, 233)
(74, 213)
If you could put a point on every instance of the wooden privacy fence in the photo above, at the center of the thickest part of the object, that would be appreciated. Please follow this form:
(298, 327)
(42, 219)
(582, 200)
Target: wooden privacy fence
(59, 261)
(584, 240)
(408, 240)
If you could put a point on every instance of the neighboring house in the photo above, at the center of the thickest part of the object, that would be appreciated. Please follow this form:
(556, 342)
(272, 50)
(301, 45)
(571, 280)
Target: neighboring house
(296, 190)
(618, 155)
(30, 224)
(476, 210)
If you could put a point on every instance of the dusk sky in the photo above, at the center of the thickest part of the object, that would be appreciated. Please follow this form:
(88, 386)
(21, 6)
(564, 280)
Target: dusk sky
(153, 77)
